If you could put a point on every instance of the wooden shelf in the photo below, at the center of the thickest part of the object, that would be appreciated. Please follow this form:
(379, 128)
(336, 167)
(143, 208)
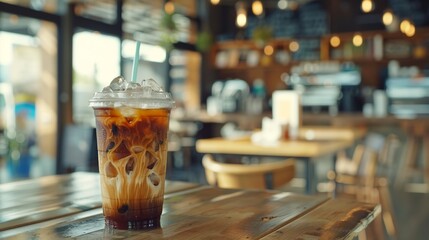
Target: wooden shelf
(244, 67)
(421, 33)
(402, 61)
(369, 63)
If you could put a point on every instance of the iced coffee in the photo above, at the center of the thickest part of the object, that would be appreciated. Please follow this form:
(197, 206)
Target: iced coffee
(132, 124)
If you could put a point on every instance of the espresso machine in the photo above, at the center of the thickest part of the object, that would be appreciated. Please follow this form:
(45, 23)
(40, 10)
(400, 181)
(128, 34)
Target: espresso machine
(408, 97)
(228, 96)
(331, 92)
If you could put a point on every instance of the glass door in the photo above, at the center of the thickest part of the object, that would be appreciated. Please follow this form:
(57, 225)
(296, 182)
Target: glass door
(28, 97)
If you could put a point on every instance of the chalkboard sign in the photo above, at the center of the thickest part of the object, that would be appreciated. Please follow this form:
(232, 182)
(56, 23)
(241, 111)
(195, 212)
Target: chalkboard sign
(415, 10)
(309, 20)
(284, 23)
(313, 19)
(309, 50)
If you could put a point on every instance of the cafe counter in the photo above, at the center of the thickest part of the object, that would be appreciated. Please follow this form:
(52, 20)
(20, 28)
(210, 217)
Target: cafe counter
(342, 119)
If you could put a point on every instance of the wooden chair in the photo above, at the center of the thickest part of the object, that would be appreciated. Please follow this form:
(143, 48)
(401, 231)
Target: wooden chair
(360, 176)
(363, 182)
(271, 175)
(361, 170)
(413, 174)
(79, 149)
(389, 158)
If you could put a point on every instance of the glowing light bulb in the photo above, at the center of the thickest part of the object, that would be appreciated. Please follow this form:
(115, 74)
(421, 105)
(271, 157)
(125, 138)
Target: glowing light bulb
(215, 2)
(257, 8)
(387, 18)
(282, 4)
(357, 40)
(367, 6)
(335, 41)
(293, 46)
(169, 7)
(268, 50)
(405, 25)
(411, 31)
(241, 19)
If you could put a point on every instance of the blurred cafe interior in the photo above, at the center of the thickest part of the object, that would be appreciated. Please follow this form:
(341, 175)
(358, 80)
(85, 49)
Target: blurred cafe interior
(268, 71)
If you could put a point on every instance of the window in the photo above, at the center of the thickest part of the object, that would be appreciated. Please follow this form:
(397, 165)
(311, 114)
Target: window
(96, 61)
(28, 92)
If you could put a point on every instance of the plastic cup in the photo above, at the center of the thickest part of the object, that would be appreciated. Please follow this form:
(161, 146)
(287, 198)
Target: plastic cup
(132, 123)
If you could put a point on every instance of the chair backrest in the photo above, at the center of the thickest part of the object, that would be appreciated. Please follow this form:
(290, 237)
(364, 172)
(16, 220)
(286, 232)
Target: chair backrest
(79, 149)
(387, 152)
(386, 149)
(368, 163)
(269, 175)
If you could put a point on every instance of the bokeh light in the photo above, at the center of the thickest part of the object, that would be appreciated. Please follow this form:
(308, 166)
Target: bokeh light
(357, 40)
(335, 41)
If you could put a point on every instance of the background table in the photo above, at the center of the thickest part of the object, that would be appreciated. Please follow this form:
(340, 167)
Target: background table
(190, 212)
(313, 143)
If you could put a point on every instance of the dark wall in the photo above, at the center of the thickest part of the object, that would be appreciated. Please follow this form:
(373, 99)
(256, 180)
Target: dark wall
(347, 16)
(319, 17)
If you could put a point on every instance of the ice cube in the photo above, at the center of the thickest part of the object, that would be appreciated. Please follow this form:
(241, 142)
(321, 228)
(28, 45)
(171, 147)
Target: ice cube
(127, 111)
(134, 86)
(151, 84)
(154, 179)
(130, 165)
(110, 146)
(115, 130)
(120, 152)
(107, 90)
(119, 84)
(150, 160)
(146, 92)
(123, 208)
(110, 170)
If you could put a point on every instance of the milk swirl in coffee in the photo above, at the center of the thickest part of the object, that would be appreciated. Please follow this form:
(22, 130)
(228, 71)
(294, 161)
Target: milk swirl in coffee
(132, 122)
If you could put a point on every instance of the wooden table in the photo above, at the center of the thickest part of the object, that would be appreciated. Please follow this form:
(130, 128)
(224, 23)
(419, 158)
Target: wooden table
(313, 143)
(43, 200)
(68, 206)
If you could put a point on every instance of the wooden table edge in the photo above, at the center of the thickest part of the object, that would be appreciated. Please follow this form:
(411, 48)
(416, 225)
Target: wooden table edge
(364, 224)
(207, 145)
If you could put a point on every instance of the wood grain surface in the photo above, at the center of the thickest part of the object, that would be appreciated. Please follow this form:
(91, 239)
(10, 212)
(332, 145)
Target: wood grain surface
(201, 212)
(42, 199)
(296, 148)
(335, 219)
(68, 207)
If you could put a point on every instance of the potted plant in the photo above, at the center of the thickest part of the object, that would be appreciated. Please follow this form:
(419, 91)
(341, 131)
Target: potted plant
(262, 34)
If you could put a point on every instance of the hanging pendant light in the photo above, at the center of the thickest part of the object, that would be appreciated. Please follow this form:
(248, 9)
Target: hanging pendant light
(367, 6)
(257, 8)
(407, 28)
(169, 7)
(241, 19)
(294, 46)
(335, 41)
(357, 40)
(215, 2)
(387, 18)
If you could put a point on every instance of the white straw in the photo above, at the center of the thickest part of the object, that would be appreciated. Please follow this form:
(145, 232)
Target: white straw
(136, 63)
